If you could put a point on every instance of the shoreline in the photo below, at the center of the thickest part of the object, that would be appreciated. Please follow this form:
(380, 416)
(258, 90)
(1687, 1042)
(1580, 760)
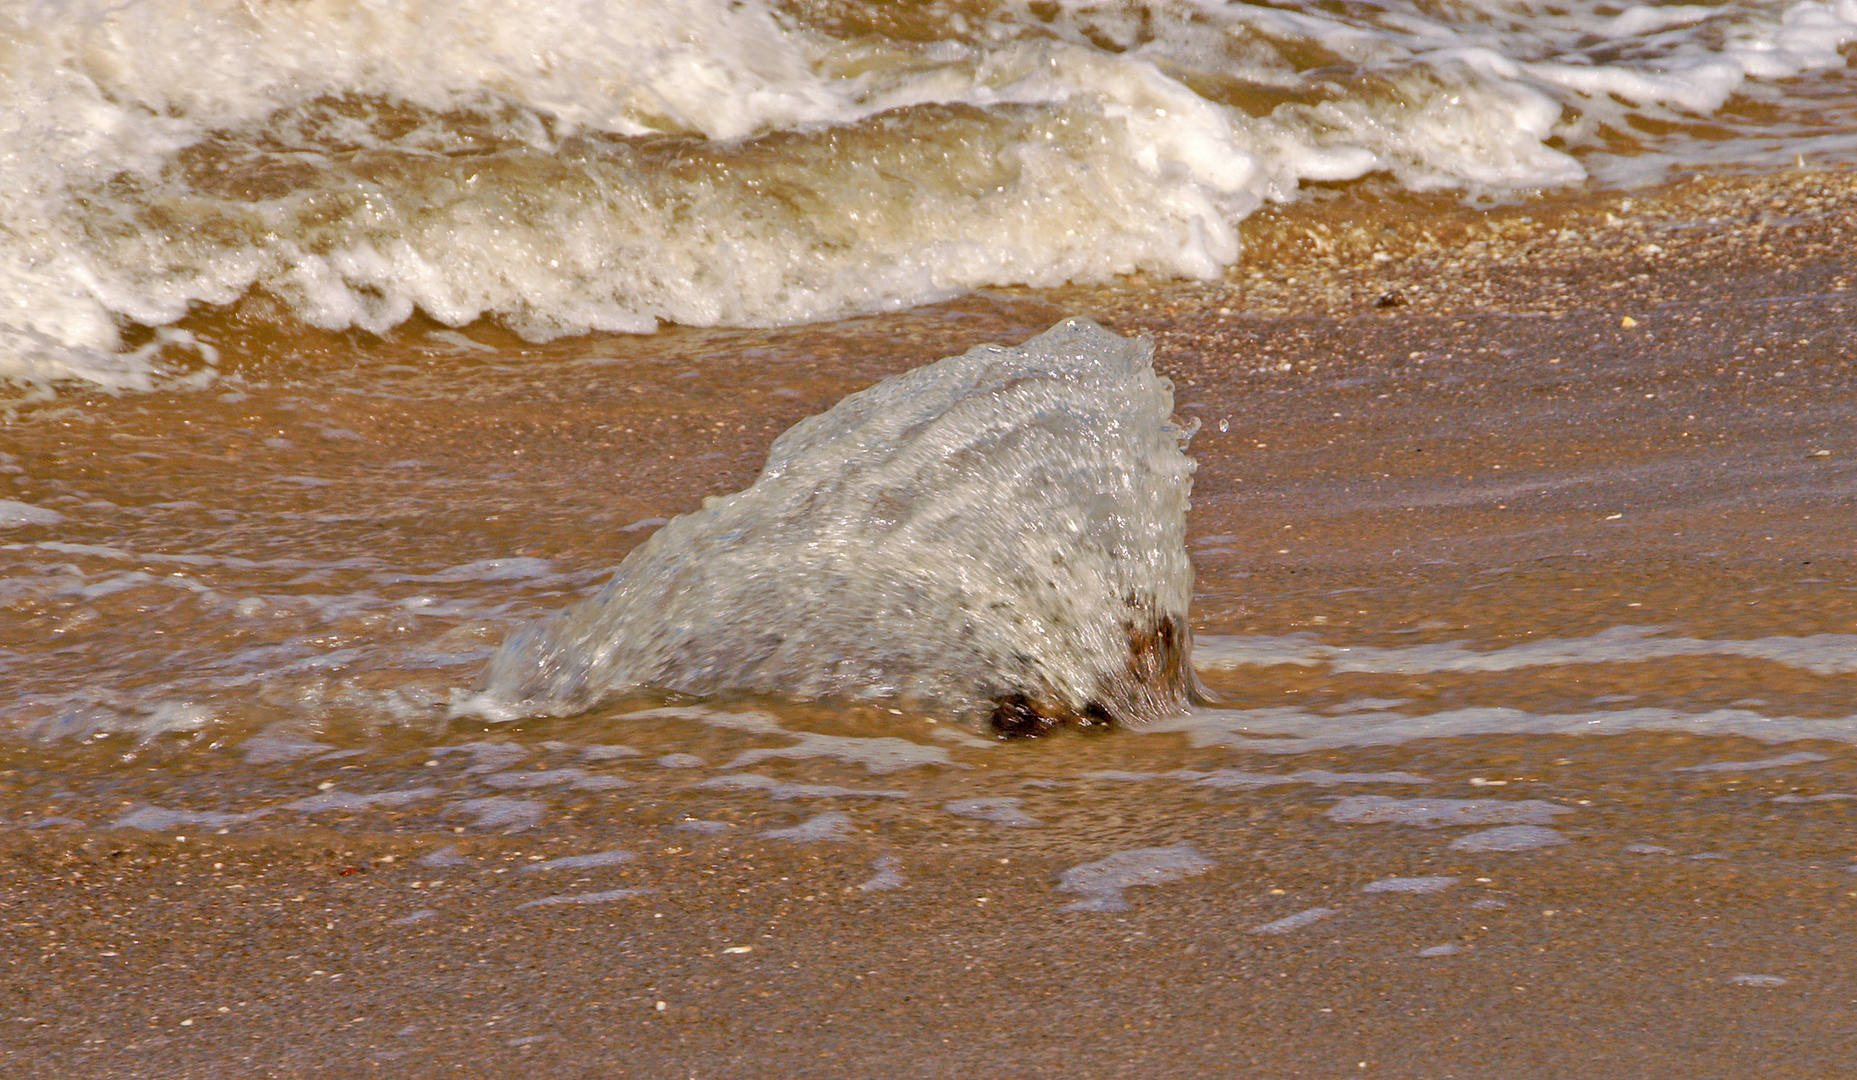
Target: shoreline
(1546, 435)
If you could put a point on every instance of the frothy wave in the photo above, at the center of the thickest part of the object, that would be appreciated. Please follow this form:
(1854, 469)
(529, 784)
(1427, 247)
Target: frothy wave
(566, 168)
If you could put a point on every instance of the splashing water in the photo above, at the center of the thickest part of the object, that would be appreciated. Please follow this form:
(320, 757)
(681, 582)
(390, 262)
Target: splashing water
(998, 533)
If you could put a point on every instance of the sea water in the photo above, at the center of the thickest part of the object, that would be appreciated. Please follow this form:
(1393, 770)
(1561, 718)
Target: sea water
(563, 167)
(329, 473)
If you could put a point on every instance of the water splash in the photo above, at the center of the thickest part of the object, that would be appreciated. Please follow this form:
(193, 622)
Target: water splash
(998, 534)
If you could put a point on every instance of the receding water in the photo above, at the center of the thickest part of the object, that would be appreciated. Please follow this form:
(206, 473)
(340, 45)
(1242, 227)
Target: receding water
(191, 654)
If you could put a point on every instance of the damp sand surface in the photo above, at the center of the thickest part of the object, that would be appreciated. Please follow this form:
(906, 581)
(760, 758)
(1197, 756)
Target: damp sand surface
(1549, 433)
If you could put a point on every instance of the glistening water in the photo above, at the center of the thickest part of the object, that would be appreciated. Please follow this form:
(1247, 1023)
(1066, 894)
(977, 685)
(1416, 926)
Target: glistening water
(347, 339)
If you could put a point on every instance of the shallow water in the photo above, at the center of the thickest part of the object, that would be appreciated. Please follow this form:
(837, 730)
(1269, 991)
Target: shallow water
(1552, 567)
(262, 623)
(1521, 533)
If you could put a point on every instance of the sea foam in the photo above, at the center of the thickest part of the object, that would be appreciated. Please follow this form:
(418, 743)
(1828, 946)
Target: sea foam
(564, 167)
(998, 534)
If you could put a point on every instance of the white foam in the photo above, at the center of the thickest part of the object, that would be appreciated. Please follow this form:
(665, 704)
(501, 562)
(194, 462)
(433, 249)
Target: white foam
(567, 167)
(337, 800)
(1000, 810)
(486, 756)
(1649, 849)
(445, 856)
(777, 789)
(877, 754)
(55, 822)
(1820, 654)
(14, 514)
(582, 862)
(510, 569)
(604, 897)
(1292, 731)
(503, 812)
(1424, 885)
(1780, 762)
(1232, 779)
(1509, 838)
(831, 825)
(1433, 813)
(1240, 779)
(538, 778)
(1306, 917)
(752, 721)
(888, 875)
(161, 819)
(1101, 882)
(268, 749)
(707, 828)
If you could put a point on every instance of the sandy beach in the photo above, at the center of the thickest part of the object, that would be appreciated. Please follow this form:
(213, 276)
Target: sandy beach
(1420, 424)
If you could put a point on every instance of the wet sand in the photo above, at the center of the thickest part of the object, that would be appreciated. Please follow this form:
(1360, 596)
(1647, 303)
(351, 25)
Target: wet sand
(1519, 424)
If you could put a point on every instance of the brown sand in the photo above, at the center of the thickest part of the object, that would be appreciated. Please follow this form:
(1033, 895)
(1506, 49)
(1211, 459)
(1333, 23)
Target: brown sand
(1518, 424)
